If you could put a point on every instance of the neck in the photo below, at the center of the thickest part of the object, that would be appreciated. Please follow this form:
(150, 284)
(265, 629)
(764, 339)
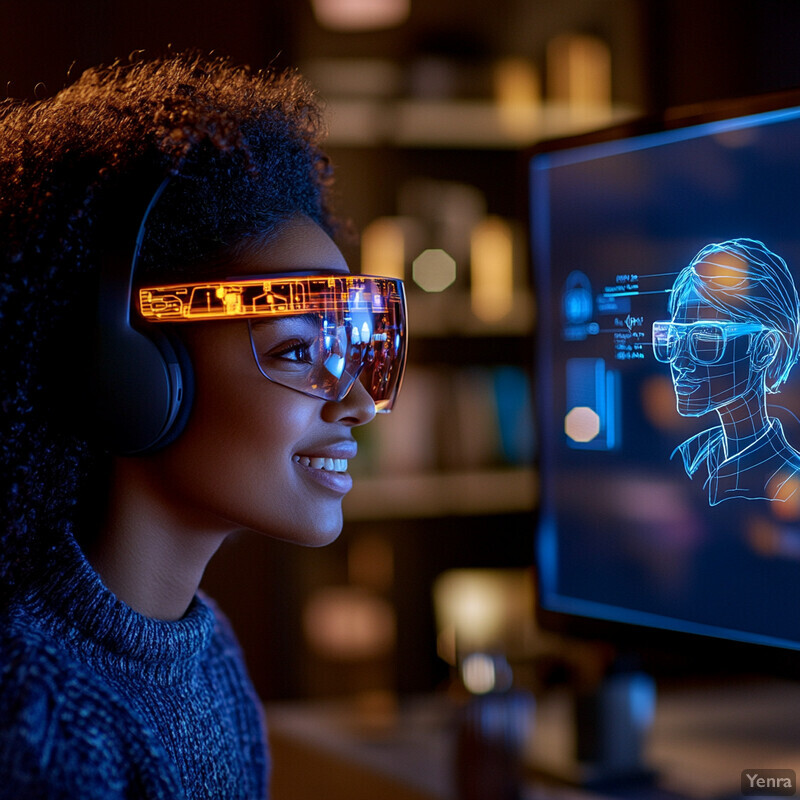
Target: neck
(744, 421)
(150, 554)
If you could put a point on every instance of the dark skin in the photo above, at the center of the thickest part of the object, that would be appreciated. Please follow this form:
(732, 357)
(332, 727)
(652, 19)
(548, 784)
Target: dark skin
(234, 467)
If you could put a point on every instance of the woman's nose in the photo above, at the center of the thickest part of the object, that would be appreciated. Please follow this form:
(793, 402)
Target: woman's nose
(356, 408)
(683, 362)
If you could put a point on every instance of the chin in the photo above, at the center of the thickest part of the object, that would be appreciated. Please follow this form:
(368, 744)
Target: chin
(325, 527)
(317, 532)
(686, 410)
(311, 538)
(322, 540)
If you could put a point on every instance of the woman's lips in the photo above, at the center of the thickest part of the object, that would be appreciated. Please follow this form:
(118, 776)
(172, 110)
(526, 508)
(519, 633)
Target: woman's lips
(327, 472)
(686, 387)
(319, 462)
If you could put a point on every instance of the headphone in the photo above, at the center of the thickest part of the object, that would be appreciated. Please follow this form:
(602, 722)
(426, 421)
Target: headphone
(143, 381)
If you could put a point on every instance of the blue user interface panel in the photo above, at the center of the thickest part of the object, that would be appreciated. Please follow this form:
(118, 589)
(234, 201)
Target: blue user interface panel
(667, 271)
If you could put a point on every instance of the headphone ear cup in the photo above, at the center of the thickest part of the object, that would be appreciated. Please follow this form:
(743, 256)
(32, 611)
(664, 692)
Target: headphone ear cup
(140, 389)
(143, 380)
(176, 356)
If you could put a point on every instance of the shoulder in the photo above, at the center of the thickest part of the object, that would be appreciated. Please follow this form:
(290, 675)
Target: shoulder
(64, 732)
(781, 446)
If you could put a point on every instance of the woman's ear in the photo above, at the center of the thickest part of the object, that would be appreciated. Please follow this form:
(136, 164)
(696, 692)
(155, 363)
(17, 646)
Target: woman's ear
(765, 349)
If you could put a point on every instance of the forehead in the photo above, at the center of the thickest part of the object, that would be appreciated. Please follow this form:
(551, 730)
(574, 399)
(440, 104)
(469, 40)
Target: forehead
(297, 245)
(691, 306)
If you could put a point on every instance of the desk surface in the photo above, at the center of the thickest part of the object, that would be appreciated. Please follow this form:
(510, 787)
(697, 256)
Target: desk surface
(702, 739)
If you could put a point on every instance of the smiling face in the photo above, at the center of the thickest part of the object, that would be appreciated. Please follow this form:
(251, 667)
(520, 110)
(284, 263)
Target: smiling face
(255, 454)
(700, 388)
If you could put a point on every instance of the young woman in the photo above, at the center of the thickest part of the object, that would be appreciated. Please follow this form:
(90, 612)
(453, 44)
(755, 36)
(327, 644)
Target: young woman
(185, 356)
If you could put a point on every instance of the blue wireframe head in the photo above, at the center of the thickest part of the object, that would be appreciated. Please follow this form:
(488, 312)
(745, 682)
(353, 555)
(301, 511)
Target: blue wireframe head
(750, 283)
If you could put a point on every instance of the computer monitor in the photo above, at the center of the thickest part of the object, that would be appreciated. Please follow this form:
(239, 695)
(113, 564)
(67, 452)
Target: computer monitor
(667, 269)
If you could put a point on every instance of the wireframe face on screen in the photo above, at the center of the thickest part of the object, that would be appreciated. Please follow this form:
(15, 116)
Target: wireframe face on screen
(732, 339)
(315, 334)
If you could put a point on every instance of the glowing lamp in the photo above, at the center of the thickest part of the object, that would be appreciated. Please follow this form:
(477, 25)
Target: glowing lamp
(360, 15)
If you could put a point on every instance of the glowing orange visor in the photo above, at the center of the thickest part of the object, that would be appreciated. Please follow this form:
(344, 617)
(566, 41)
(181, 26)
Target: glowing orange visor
(316, 334)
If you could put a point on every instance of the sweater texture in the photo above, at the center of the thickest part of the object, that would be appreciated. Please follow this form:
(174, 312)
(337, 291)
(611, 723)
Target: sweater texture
(98, 701)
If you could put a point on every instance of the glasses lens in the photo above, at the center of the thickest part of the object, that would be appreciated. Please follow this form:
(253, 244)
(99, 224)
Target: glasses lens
(663, 344)
(706, 343)
(317, 334)
(703, 342)
(299, 352)
(323, 354)
(384, 362)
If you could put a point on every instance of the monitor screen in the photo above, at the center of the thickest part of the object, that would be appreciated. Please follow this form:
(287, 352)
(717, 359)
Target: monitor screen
(667, 269)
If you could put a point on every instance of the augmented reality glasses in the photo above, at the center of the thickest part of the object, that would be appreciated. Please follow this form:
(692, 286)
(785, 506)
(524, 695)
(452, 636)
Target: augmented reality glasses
(703, 341)
(316, 334)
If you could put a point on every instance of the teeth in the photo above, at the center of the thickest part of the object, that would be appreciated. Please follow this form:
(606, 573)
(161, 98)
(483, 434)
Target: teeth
(328, 464)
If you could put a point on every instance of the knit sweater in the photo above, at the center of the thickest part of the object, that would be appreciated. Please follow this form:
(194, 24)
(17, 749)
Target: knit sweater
(98, 701)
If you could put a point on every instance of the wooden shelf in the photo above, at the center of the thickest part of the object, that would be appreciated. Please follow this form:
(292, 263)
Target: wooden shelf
(473, 124)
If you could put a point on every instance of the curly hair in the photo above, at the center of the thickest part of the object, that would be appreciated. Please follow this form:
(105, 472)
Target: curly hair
(73, 170)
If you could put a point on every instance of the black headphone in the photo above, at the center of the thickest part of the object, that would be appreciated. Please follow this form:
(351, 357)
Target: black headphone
(143, 381)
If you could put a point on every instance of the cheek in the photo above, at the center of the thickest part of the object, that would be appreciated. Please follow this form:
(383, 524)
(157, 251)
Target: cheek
(232, 467)
(238, 437)
(239, 428)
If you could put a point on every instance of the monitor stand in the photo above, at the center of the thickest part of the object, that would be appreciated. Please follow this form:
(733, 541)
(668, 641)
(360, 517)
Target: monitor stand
(608, 730)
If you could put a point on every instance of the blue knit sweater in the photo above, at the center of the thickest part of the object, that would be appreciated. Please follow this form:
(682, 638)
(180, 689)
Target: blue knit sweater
(97, 701)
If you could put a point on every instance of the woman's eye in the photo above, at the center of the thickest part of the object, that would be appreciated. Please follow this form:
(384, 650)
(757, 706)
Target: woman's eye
(292, 351)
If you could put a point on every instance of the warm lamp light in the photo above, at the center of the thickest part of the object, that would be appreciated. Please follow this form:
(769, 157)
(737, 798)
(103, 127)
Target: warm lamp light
(383, 248)
(360, 15)
(483, 609)
(579, 72)
(582, 424)
(492, 269)
(347, 623)
(517, 93)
